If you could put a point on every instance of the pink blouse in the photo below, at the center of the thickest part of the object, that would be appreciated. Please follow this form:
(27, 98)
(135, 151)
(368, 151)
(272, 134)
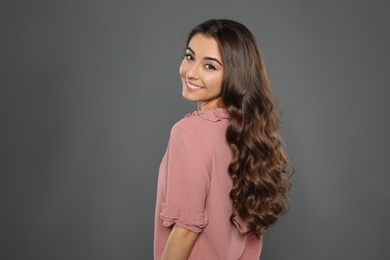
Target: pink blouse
(193, 190)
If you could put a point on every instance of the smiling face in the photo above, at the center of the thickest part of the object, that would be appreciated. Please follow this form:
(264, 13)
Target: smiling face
(201, 72)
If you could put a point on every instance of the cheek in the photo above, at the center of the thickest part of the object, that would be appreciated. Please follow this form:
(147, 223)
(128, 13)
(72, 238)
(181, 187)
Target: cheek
(220, 81)
(215, 82)
(182, 69)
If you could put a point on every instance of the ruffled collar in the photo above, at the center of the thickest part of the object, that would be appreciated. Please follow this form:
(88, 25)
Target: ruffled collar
(211, 115)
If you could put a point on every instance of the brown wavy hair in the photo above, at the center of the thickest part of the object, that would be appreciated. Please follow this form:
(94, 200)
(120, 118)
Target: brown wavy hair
(260, 167)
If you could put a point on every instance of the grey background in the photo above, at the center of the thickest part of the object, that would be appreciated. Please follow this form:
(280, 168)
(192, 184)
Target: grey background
(90, 89)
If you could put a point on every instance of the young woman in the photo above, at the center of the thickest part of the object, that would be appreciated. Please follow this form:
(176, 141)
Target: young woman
(222, 181)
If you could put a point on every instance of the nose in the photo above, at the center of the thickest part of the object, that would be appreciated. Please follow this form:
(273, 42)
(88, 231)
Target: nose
(193, 71)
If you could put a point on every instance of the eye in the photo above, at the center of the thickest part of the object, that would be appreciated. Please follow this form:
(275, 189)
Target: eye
(210, 67)
(189, 57)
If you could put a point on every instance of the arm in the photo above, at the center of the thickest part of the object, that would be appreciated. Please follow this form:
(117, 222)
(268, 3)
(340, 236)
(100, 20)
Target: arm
(179, 244)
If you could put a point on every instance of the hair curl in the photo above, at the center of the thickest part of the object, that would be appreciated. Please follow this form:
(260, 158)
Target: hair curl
(260, 165)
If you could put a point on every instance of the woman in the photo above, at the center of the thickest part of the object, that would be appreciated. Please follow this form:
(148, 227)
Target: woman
(222, 181)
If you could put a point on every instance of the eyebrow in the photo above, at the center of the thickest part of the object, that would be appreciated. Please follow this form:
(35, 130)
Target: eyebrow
(206, 58)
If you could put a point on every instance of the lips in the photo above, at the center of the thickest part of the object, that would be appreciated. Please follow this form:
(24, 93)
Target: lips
(192, 87)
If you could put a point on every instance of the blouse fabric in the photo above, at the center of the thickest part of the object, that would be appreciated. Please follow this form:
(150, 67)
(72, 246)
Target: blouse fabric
(193, 190)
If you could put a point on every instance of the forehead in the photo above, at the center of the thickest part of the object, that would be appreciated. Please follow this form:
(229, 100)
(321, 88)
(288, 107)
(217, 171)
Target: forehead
(204, 46)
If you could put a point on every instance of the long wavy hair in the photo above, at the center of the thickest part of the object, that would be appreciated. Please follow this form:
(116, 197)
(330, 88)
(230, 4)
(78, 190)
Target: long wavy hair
(260, 168)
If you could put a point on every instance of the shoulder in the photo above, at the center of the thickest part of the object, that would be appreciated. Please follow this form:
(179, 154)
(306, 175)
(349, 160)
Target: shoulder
(204, 117)
(204, 128)
(202, 122)
(187, 128)
(189, 136)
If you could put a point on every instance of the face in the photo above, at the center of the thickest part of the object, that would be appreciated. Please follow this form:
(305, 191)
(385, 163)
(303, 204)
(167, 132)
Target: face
(201, 72)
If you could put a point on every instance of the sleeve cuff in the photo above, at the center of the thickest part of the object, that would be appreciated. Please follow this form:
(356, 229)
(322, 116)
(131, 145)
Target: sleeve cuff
(193, 221)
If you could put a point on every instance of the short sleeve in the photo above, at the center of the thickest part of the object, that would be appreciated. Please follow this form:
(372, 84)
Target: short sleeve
(188, 165)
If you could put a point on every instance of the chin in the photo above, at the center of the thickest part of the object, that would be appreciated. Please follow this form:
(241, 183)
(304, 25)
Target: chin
(189, 98)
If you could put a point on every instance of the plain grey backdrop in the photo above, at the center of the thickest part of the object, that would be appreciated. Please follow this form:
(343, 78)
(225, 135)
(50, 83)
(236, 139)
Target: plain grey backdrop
(90, 89)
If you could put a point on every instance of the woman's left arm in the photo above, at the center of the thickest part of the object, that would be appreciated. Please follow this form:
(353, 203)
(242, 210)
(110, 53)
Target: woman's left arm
(179, 244)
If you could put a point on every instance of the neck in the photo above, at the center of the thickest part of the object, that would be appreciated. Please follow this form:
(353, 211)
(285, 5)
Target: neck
(212, 105)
